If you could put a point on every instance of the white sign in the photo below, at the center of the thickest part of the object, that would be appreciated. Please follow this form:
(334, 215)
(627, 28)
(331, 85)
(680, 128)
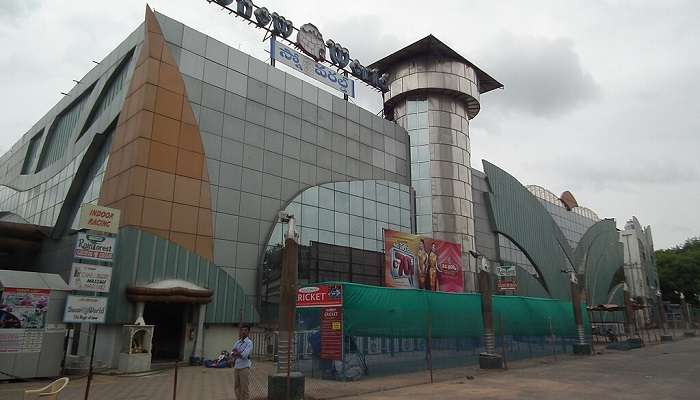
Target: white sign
(93, 278)
(21, 340)
(85, 309)
(505, 270)
(298, 61)
(103, 219)
(94, 247)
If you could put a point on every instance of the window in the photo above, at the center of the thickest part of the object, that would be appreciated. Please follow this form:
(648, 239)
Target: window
(31, 152)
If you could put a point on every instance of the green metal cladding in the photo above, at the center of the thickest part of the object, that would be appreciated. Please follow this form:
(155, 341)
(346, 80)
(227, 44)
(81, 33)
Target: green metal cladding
(521, 217)
(143, 258)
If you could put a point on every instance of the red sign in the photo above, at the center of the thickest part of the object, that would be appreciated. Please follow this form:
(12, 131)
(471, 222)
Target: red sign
(506, 284)
(320, 296)
(332, 333)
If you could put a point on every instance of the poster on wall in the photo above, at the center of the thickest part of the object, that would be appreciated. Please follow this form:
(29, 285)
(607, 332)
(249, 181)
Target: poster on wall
(332, 333)
(418, 262)
(24, 308)
(21, 340)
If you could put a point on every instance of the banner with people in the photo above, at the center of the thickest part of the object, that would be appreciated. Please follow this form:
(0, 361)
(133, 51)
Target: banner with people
(419, 262)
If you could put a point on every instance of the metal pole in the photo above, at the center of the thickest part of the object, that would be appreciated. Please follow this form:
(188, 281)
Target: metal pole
(272, 49)
(430, 346)
(551, 334)
(503, 340)
(289, 353)
(92, 358)
(345, 95)
(175, 382)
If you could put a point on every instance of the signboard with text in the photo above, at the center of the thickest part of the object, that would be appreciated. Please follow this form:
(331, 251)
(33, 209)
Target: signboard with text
(507, 278)
(85, 309)
(419, 262)
(298, 61)
(320, 296)
(95, 247)
(332, 333)
(98, 218)
(93, 278)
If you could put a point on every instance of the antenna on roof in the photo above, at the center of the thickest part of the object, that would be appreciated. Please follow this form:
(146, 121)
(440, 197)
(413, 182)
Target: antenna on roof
(96, 62)
(65, 94)
(76, 81)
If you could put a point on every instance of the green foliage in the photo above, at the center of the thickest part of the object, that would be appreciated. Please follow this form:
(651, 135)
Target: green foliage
(679, 271)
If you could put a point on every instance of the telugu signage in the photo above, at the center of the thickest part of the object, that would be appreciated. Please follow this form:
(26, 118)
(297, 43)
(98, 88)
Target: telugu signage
(320, 296)
(298, 61)
(94, 247)
(93, 278)
(24, 308)
(98, 218)
(332, 333)
(418, 262)
(85, 309)
(309, 39)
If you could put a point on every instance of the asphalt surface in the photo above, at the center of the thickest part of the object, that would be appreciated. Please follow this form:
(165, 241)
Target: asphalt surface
(665, 371)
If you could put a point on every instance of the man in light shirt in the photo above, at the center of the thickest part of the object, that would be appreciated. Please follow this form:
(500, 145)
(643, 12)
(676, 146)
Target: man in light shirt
(241, 365)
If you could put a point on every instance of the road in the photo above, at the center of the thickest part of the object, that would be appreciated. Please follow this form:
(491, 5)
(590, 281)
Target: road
(666, 371)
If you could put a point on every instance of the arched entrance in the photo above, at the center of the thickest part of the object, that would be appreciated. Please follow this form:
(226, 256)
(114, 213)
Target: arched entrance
(176, 308)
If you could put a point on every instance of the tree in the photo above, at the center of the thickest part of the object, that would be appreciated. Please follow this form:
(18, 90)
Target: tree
(679, 271)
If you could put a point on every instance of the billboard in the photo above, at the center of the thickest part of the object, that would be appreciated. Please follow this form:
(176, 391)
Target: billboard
(320, 296)
(418, 262)
(507, 278)
(332, 333)
(24, 308)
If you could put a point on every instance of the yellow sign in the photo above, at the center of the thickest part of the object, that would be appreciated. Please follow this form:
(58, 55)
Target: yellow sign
(335, 325)
(97, 218)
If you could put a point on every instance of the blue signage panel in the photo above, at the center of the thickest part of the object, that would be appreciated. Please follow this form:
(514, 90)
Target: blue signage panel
(298, 61)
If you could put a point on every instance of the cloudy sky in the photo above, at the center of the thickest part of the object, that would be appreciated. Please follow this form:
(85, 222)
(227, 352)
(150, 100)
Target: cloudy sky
(600, 97)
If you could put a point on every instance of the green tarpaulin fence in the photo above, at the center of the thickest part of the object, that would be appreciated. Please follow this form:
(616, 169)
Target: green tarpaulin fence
(388, 312)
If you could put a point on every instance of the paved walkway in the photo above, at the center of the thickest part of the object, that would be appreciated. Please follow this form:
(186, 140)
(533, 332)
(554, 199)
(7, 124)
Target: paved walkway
(667, 371)
(655, 372)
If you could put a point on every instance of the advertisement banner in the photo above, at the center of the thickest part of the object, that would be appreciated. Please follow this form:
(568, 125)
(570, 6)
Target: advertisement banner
(320, 296)
(92, 278)
(97, 218)
(417, 262)
(298, 61)
(90, 310)
(505, 270)
(332, 333)
(24, 308)
(506, 278)
(94, 247)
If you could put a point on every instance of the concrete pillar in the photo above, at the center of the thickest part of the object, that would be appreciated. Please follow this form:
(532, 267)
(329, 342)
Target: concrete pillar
(139, 314)
(198, 352)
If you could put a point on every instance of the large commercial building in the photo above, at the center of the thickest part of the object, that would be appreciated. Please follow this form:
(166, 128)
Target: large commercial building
(201, 146)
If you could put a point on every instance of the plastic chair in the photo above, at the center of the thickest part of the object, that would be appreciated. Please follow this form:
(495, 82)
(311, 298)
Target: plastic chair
(48, 392)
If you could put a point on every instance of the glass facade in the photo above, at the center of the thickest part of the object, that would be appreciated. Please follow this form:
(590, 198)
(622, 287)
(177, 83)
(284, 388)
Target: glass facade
(417, 127)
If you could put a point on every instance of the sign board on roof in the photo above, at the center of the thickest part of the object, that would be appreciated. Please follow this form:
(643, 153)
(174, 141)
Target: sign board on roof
(298, 61)
(98, 218)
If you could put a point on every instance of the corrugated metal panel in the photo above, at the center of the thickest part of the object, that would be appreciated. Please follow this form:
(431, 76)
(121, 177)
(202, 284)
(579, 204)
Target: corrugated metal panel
(143, 258)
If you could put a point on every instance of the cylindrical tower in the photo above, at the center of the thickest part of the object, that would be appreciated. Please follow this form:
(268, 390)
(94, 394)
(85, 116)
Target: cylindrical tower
(433, 93)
